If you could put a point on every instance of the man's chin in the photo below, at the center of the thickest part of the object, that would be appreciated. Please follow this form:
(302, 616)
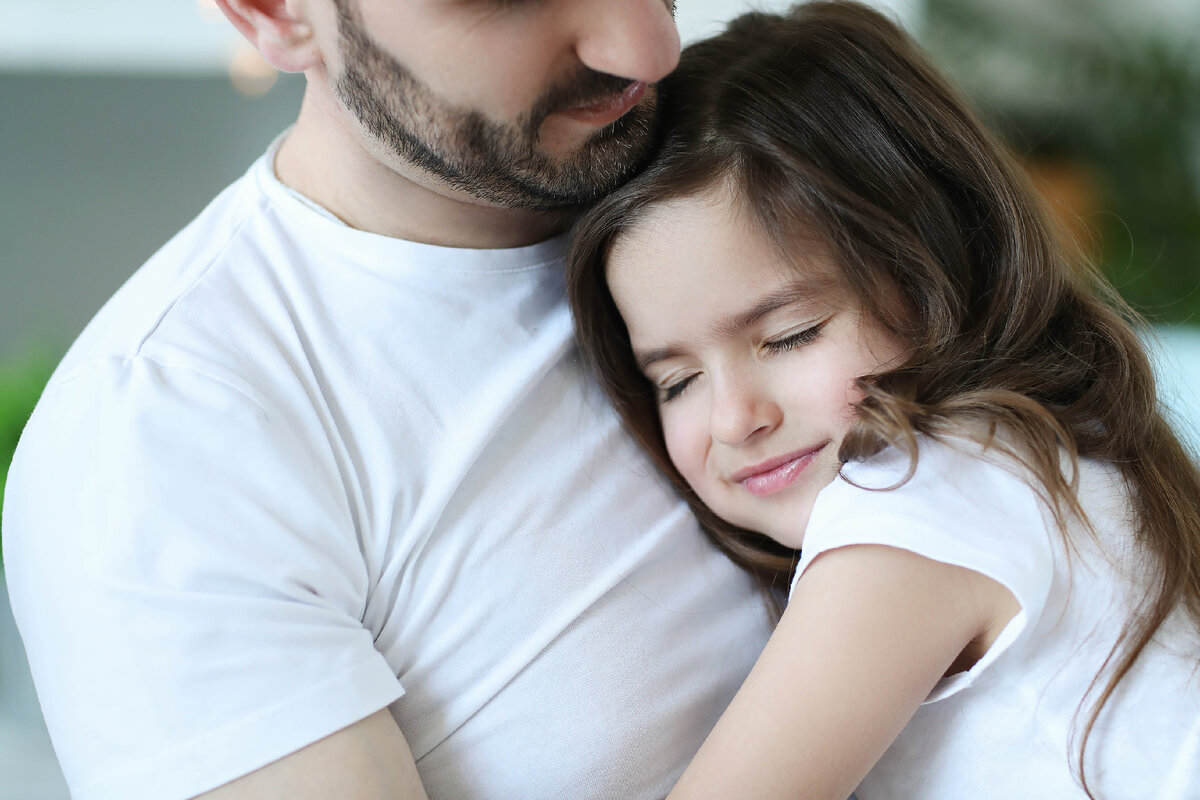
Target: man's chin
(559, 144)
(569, 166)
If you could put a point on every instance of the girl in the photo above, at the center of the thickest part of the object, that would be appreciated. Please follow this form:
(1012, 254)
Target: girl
(834, 314)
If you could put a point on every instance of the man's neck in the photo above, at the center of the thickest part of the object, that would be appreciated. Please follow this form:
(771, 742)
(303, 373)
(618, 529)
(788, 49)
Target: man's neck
(321, 159)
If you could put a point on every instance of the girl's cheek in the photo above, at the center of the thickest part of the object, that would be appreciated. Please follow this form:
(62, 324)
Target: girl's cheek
(686, 443)
(671, 436)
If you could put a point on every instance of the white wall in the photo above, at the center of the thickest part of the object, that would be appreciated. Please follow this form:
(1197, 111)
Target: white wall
(700, 18)
(115, 35)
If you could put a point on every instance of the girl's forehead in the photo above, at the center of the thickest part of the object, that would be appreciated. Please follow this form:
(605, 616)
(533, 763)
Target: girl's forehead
(718, 205)
(723, 210)
(695, 266)
(711, 234)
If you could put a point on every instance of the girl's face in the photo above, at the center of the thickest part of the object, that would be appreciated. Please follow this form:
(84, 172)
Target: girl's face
(754, 357)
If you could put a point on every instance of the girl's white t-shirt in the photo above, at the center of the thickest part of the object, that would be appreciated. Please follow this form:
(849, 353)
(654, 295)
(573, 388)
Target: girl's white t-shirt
(1009, 727)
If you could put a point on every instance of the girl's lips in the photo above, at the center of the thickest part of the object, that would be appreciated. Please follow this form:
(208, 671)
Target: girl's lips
(777, 474)
(610, 109)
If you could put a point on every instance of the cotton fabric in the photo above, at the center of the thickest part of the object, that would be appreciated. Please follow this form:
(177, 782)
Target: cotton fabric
(294, 473)
(1004, 729)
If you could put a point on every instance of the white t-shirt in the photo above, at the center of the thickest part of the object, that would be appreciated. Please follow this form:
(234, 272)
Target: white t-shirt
(294, 473)
(1003, 729)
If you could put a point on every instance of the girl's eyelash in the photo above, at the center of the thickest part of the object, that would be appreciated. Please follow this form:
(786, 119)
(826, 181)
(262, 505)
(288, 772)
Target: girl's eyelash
(782, 345)
(668, 393)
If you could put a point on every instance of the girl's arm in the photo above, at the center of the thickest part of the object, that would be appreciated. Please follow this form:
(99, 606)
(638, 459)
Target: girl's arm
(868, 632)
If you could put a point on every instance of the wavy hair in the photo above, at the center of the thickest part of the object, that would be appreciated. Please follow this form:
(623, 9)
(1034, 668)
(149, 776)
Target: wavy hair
(830, 119)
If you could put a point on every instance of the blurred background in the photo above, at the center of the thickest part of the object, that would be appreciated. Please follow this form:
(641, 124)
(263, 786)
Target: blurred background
(120, 120)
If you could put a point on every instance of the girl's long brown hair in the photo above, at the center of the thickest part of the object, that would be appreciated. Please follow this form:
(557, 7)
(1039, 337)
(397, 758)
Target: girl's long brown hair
(830, 119)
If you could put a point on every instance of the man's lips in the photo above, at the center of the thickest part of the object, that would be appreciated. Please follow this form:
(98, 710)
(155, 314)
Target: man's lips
(609, 109)
(776, 474)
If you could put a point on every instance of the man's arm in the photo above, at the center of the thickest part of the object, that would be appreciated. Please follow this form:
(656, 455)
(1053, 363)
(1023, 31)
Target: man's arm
(181, 561)
(369, 760)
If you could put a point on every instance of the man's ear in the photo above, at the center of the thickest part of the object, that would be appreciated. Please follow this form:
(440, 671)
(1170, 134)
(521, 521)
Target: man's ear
(275, 27)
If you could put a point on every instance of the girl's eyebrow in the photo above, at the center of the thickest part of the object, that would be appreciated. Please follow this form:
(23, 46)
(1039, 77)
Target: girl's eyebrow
(649, 357)
(801, 291)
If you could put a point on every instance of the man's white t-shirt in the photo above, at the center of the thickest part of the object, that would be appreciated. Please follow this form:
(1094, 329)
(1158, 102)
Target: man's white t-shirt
(1004, 729)
(294, 473)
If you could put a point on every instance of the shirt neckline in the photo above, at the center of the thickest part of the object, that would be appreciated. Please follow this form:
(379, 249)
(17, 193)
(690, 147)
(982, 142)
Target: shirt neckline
(320, 228)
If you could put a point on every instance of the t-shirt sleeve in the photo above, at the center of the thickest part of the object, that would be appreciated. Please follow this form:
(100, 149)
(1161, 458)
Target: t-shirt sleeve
(957, 508)
(187, 576)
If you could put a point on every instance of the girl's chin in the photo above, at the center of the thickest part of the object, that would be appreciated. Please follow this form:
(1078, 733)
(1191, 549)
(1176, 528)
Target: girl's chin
(782, 517)
(789, 532)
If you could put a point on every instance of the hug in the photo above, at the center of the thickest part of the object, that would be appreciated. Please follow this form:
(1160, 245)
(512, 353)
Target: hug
(836, 315)
(553, 413)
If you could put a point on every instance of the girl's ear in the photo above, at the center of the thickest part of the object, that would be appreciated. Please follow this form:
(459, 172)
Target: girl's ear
(278, 29)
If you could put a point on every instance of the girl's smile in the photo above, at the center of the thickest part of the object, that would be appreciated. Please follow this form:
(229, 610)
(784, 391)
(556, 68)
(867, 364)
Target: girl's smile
(777, 474)
(753, 357)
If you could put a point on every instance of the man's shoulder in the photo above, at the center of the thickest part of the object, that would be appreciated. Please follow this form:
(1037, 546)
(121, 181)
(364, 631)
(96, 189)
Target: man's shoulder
(193, 295)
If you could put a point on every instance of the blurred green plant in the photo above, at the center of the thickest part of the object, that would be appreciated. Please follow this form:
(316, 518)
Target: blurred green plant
(21, 384)
(1105, 86)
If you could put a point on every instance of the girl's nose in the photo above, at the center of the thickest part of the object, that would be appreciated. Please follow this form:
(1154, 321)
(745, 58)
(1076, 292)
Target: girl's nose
(741, 411)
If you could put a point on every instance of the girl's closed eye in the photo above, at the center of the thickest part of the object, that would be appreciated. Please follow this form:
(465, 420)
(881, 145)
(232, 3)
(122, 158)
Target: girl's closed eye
(675, 386)
(794, 339)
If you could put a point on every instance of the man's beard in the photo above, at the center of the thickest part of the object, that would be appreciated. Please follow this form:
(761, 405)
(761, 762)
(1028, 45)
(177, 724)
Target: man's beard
(496, 162)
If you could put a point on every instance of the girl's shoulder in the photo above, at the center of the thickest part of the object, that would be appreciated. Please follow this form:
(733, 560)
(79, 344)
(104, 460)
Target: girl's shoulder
(956, 484)
(980, 492)
(959, 503)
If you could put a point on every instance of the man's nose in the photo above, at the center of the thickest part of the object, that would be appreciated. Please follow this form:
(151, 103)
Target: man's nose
(741, 411)
(633, 39)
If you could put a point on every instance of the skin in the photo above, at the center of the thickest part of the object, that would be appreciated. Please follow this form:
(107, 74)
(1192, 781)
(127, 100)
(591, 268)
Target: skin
(513, 68)
(541, 157)
(754, 357)
(502, 65)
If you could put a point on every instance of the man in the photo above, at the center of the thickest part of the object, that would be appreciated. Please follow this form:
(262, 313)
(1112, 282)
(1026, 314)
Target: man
(320, 505)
